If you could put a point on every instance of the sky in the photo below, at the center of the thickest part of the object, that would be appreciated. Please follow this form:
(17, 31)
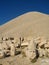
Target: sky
(10, 9)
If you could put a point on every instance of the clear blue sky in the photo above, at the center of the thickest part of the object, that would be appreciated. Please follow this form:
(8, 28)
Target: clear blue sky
(10, 9)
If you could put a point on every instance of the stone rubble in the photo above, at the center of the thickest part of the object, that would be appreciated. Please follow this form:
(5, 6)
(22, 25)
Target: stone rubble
(35, 47)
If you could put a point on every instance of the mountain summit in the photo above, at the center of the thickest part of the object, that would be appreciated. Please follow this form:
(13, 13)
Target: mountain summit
(29, 24)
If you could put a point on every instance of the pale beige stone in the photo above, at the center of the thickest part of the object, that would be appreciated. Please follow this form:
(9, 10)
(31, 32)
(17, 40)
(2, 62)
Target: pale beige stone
(30, 52)
(12, 51)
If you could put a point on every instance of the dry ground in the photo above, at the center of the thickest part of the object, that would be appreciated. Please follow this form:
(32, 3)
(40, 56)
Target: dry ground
(19, 60)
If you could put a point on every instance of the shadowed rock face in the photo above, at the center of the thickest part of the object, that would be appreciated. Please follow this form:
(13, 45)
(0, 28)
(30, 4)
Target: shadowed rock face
(29, 24)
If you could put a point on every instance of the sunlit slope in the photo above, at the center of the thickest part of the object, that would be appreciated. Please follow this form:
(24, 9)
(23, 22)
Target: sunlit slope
(29, 24)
